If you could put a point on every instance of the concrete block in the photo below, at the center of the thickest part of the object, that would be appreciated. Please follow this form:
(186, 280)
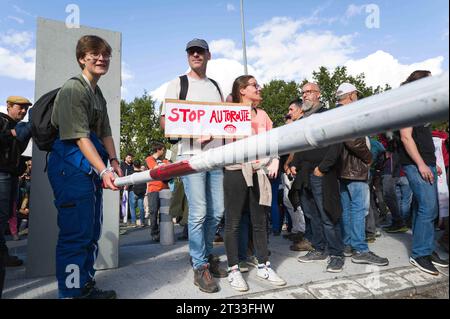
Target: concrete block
(421, 280)
(385, 285)
(339, 289)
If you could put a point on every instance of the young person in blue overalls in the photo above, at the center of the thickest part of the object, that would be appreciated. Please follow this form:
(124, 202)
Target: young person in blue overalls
(78, 172)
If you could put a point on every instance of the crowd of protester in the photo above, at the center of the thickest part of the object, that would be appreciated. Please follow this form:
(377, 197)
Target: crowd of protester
(329, 203)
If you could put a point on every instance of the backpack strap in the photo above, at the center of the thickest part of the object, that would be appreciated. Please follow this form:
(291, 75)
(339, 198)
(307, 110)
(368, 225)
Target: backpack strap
(217, 87)
(184, 82)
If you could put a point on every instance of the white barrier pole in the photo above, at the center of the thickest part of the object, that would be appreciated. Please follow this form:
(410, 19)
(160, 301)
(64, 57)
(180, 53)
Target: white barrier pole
(419, 102)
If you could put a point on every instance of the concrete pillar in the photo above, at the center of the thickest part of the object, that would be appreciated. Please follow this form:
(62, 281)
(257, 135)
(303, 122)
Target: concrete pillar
(166, 232)
(55, 64)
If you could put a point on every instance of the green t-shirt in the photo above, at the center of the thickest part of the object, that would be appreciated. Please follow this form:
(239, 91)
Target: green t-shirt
(78, 110)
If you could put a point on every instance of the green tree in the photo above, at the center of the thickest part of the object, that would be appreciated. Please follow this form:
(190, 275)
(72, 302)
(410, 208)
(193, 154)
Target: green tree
(276, 98)
(330, 81)
(139, 126)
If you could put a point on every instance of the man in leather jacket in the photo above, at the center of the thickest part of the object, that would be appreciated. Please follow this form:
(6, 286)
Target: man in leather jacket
(10, 150)
(355, 195)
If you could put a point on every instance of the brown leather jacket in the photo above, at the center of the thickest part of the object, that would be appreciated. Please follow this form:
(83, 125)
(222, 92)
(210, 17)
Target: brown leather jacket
(355, 160)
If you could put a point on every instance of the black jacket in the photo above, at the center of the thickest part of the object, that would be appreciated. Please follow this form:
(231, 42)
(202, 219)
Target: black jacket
(327, 159)
(10, 147)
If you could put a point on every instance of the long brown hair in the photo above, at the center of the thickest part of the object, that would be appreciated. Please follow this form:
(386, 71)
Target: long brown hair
(238, 84)
(417, 75)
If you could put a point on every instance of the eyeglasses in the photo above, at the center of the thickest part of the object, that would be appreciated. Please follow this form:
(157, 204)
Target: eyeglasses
(96, 56)
(192, 51)
(309, 92)
(255, 85)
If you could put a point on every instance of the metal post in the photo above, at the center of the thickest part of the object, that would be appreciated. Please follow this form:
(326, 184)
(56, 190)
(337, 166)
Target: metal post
(244, 47)
(166, 234)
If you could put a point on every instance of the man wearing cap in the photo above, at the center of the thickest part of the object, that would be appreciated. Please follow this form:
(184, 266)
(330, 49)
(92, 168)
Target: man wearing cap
(204, 191)
(318, 186)
(355, 196)
(10, 168)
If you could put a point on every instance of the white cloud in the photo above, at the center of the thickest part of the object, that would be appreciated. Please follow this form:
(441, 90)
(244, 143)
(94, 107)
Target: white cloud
(19, 66)
(3, 109)
(16, 39)
(224, 71)
(21, 11)
(281, 49)
(127, 74)
(354, 10)
(226, 48)
(18, 20)
(381, 67)
(230, 7)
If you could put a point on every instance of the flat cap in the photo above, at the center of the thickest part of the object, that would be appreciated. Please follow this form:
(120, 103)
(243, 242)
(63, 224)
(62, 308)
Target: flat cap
(18, 100)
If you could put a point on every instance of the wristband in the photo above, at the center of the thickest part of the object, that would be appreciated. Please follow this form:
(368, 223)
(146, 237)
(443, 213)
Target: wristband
(113, 159)
(108, 169)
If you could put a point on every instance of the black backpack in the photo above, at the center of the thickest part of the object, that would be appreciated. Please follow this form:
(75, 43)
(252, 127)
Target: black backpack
(42, 130)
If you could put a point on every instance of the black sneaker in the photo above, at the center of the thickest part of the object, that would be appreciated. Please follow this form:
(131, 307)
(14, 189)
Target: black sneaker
(424, 263)
(92, 292)
(369, 258)
(336, 264)
(204, 280)
(437, 261)
(313, 256)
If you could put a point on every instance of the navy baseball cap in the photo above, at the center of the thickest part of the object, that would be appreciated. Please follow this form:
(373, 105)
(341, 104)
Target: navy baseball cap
(197, 43)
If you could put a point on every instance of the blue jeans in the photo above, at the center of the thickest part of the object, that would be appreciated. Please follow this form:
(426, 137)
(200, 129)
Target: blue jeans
(355, 199)
(132, 205)
(404, 195)
(326, 236)
(423, 223)
(204, 192)
(139, 202)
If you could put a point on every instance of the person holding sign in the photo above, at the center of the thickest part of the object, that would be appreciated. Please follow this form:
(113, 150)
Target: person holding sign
(204, 191)
(247, 188)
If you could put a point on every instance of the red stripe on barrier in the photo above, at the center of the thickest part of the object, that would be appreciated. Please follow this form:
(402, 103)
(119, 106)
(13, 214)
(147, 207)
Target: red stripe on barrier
(172, 170)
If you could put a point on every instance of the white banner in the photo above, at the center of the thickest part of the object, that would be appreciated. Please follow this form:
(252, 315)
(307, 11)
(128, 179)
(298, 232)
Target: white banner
(195, 119)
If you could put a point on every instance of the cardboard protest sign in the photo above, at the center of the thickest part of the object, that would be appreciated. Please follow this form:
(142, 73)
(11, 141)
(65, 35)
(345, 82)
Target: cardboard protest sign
(188, 119)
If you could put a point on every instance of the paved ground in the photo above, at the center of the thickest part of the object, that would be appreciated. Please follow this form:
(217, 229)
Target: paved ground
(149, 271)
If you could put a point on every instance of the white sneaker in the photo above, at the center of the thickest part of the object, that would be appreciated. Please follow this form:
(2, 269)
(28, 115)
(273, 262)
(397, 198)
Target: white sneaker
(265, 272)
(236, 280)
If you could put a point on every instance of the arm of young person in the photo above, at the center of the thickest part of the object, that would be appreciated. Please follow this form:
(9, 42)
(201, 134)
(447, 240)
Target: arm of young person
(413, 152)
(108, 142)
(90, 152)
